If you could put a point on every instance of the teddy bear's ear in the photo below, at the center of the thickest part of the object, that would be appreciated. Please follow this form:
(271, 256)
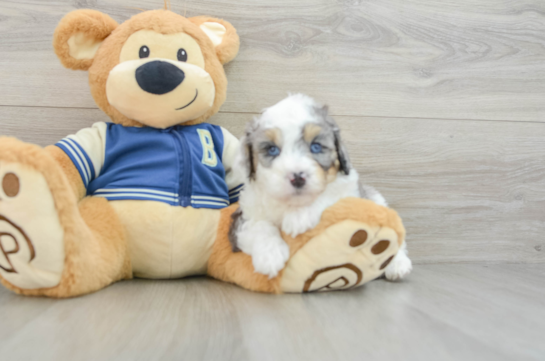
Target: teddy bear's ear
(223, 36)
(78, 36)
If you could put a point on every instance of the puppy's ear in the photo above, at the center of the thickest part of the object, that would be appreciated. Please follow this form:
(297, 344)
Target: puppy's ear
(222, 34)
(246, 159)
(78, 36)
(342, 154)
(236, 224)
(251, 160)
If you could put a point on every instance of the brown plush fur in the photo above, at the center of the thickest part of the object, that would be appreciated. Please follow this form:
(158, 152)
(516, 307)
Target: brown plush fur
(357, 209)
(96, 251)
(70, 171)
(161, 21)
(230, 44)
(237, 267)
(91, 22)
(94, 241)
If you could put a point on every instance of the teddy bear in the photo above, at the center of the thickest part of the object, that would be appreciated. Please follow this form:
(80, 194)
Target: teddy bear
(151, 193)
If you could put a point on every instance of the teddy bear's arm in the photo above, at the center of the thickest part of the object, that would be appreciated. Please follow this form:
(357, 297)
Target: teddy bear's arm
(69, 170)
(81, 156)
(233, 177)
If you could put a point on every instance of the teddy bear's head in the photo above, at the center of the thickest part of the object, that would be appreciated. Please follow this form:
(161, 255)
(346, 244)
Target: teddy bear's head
(157, 69)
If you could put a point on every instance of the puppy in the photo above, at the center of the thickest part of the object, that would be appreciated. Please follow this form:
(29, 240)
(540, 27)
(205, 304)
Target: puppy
(296, 166)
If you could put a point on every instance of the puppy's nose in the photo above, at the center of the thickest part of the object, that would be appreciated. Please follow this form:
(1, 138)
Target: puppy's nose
(297, 180)
(159, 77)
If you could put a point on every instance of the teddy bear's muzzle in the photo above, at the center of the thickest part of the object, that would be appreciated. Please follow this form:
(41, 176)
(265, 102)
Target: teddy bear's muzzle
(160, 92)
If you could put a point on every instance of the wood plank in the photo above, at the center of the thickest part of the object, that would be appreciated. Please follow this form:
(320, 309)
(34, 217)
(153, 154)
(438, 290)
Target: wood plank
(465, 59)
(446, 312)
(468, 191)
(45, 126)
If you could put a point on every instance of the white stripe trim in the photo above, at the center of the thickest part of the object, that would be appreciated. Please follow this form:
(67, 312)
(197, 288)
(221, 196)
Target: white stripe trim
(69, 147)
(115, 195)
(134, 190)
(236, 188)
(75, 146)
(210, 198)
(210, 203)
(234, 195)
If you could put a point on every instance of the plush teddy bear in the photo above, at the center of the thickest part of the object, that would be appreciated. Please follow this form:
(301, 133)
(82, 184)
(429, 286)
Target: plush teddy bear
(150, 194)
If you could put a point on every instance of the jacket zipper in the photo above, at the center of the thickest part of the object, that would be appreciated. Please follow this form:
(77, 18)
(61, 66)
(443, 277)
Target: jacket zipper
(185, 185)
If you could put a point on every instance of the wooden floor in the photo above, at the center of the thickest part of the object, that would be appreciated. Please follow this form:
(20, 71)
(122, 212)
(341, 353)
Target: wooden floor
(443, 312)
(442, 106)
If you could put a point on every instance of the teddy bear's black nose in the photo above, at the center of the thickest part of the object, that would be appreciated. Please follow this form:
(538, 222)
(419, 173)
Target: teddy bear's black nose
(159, 77)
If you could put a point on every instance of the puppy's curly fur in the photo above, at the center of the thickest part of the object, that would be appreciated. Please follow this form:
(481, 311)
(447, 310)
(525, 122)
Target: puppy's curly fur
(296, 166)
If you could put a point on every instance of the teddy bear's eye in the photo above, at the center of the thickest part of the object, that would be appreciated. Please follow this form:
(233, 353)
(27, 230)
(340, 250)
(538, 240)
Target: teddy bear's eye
(182, 54)
(144, 52)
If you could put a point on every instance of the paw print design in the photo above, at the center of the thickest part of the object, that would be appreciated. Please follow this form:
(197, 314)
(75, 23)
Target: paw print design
(343, 256)
(12, 237)
(31, 237)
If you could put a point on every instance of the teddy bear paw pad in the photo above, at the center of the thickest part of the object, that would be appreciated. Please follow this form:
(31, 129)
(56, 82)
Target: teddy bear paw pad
(31, 236)
(343, 256)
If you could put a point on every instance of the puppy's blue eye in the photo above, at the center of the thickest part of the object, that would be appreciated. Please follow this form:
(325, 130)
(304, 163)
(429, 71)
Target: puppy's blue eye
(273, 151)
(315, 148)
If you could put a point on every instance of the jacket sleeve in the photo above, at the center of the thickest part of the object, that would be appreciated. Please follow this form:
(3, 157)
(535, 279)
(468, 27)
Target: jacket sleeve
(86, 149)
(233, 178)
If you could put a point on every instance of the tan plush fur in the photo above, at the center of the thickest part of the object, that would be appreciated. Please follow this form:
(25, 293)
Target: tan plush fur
(94, 240)
(96, 251)
(161, 21)
(90, 22)
(70, 171)
(228, 48)
(237, 267)
(362, 210)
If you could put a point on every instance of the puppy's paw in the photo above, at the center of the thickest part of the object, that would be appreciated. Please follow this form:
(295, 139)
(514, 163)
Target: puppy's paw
(296, 223)
(269, 257)
(400, 267)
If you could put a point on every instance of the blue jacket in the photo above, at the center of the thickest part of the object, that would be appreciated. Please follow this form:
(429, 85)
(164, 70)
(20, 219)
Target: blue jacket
(181, 165)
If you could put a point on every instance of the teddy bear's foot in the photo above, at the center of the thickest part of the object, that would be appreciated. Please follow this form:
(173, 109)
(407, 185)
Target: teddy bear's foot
(31, 236)
(51, 245)
(354, 242)
(345, 255)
